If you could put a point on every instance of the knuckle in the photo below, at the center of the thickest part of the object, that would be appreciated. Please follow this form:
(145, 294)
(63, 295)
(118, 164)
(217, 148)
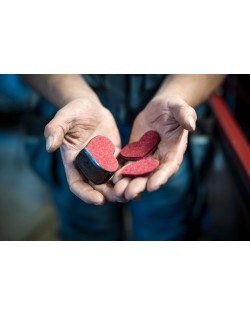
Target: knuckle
(128, 195)
(47, 129)
(192, 112)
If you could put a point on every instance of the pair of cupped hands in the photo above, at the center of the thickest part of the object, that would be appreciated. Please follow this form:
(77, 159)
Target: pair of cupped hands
(82, 119)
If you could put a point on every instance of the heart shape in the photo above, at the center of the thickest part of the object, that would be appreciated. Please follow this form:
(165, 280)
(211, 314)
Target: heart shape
(141, 148)
(142, 167)
(96, 161)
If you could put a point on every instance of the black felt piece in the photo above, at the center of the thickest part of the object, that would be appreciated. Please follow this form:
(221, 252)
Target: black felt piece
(90, 169)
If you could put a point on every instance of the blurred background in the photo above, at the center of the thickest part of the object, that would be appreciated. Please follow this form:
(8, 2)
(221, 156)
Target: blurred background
(221, 182)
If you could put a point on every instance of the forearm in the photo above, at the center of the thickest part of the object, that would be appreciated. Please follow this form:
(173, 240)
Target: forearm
(192, 88)
(60, 89)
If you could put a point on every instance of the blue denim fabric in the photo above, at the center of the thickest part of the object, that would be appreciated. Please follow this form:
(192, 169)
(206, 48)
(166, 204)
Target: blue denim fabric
(12, 87)
(161, 215)
(164, 214)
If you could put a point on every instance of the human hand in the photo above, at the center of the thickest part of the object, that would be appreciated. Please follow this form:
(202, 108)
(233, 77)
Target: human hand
(172, 118)
(71, 129)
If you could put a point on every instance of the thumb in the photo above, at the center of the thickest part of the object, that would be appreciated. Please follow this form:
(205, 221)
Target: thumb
(185, 115)
(55, 131)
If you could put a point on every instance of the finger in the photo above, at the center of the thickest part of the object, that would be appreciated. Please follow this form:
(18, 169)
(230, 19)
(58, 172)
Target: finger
(55, 131)
(169, 164)
(138, 197)
(117, 176)
(120, 187)
(86, 193)
(136, 187)
(108, 191)
(164, 172)
(117, 151)
(184, 114)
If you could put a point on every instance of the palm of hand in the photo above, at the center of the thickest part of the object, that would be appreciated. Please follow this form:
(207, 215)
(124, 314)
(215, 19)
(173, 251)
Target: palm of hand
(87, 125)
(161, 117)
(84, 124)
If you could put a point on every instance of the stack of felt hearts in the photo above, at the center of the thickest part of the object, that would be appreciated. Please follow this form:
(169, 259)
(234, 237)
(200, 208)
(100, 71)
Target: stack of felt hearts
(97, 162)
(139, 151)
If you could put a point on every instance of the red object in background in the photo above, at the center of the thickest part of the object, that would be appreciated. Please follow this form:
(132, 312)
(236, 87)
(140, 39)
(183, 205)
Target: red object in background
(233, 134)
(141, 148)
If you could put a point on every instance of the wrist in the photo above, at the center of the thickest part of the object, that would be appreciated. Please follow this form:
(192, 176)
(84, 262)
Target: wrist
(165, 95)
(64, 89)
(180, 87)
(165, 98)
(82, 100)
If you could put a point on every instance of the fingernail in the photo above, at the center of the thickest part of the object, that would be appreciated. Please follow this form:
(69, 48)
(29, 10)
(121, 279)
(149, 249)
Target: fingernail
(191, 122)
(99, 203)
(156, 188)
(49, 142)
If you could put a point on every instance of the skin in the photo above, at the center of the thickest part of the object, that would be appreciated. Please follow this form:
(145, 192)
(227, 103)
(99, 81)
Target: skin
(163, 117)
(72, 128)
(172, 117)
(81, 116)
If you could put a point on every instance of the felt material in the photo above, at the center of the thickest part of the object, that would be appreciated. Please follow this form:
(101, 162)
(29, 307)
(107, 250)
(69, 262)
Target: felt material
(142, 148)
(102, 150)
(96, 161)
(142, 167)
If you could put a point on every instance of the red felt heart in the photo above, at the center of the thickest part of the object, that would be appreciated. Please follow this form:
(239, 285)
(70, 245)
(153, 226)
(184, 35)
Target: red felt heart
(140, 168)
(102, 151)
(142, 148)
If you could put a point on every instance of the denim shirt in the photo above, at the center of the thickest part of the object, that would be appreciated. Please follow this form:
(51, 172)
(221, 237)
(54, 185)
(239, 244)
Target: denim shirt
(125, 94)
